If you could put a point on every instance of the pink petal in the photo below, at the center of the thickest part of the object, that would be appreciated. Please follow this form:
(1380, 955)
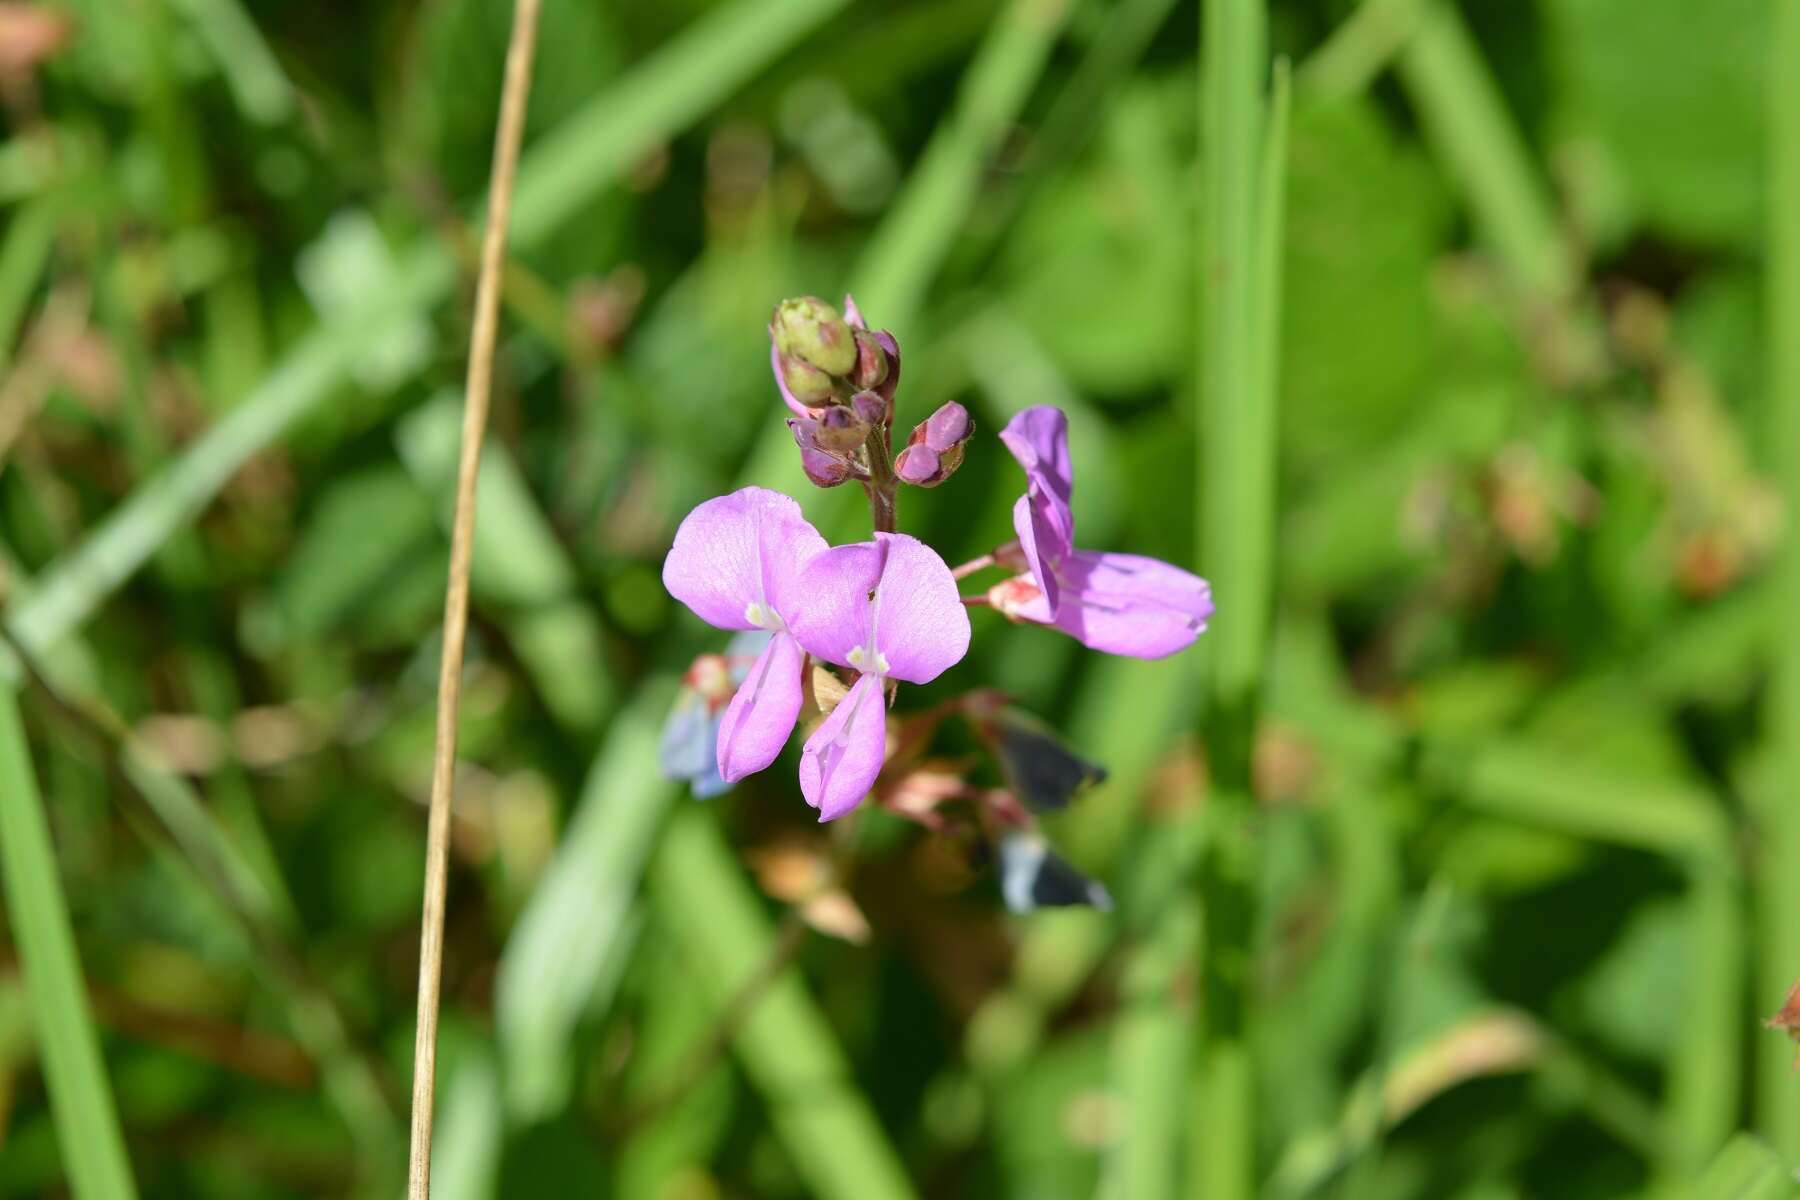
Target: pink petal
(894, 593)
(1126, 604)
(852, 314)
(797, 408)
(1039, 438)
(921, 625)
(843, 757)
(1044, 545)
(738, 550)
(832, 617)
(761, 715)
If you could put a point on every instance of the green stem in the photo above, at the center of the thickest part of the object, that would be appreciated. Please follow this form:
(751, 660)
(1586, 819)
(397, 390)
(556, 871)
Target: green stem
(882, 486)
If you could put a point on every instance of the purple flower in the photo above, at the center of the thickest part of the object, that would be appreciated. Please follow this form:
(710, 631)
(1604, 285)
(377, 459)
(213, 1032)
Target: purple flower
(737, 562)
(890, 610)
(1118, 603)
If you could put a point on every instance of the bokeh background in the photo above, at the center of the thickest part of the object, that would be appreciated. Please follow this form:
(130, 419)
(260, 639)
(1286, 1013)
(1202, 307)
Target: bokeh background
(1521, 789)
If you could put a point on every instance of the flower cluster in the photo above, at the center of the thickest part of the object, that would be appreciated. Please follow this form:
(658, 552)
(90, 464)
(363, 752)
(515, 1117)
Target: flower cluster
(889, 610)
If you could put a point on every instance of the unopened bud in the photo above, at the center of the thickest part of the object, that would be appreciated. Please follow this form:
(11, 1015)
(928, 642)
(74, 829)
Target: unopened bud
(871, 361)
(919, 465)
(810, 329)
(948, 427)
(840, 430)
(891, 347)
(805, 382)
(872, 407)
(822, 468)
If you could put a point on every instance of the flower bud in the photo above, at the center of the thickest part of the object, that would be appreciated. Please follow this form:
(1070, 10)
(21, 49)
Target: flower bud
(823, 468)
(948, 427)
(891, 347)
(809, 329)
(872, 407)
(840, 430)
(919, 465)
(805, 382)
(871, 368)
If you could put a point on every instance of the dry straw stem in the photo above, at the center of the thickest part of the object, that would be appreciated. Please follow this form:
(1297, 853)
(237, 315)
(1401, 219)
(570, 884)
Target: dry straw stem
(456, 590)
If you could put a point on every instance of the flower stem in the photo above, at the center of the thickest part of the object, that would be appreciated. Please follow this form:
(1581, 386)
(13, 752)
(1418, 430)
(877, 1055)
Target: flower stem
(972, 566)
(882, 485)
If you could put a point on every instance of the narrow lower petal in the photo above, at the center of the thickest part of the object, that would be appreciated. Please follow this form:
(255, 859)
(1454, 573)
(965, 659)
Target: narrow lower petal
(844, 755)
(1042, 544)
(761, 715)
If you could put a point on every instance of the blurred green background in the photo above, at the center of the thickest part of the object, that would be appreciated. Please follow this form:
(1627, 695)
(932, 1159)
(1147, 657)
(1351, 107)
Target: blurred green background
(1524, 855)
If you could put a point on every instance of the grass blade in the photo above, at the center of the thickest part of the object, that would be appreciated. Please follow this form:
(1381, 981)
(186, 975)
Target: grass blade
(87, 1122)
(562, 172)
(784, 1042)
(1238, 284)
(1778, 1093)
(1746, 1169)
(554, 969)
(1705, 1075)
(911, 243)
(1467, 122)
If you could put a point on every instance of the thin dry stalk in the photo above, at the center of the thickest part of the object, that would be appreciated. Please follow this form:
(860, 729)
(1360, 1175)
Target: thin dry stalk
(456, 592)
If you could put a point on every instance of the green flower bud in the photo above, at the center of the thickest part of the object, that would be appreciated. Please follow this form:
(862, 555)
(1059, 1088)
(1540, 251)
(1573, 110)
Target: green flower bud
(805, 382)
(807, 328)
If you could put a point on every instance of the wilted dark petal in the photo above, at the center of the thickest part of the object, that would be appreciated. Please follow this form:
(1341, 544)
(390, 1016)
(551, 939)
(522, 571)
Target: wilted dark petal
(1033, 876)
(1042, 772)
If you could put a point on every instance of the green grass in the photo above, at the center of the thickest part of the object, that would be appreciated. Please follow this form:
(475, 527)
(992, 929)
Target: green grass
(87, 1120)
(1238, 283)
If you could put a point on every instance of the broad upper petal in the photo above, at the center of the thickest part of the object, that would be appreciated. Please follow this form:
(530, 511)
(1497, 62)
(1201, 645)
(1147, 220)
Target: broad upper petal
(830, 615)
(737, 550)
(762, 713)
(921, 626)
(895, 592)
(843, 757)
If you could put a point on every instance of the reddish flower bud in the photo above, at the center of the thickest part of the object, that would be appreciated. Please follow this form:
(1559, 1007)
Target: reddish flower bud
(919, 465)
(840, 430)
(872, 407)
(822, 467)
(871, 368)
(949, 426)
